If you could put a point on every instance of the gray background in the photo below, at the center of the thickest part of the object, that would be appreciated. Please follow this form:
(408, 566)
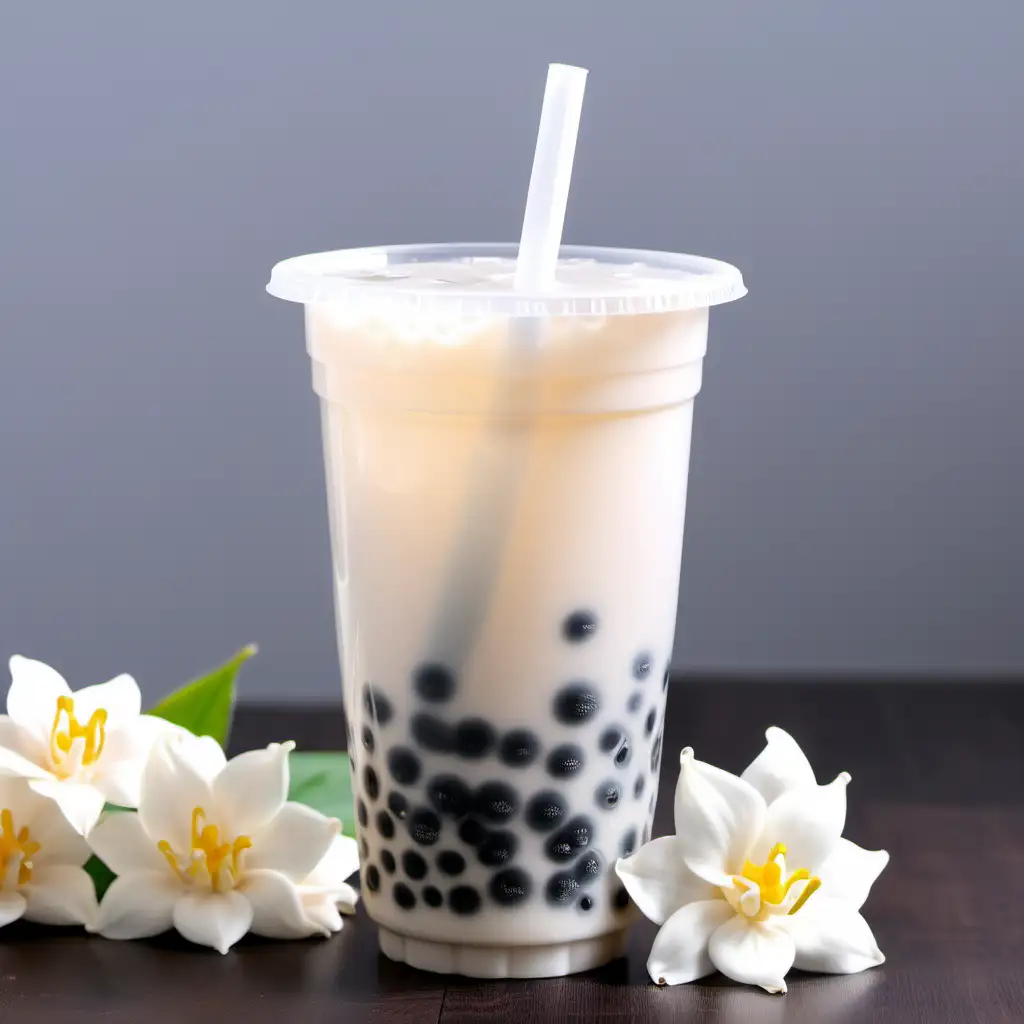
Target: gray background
(856, 498)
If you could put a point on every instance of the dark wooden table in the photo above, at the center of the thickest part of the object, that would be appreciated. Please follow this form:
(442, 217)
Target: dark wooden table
(938, 779)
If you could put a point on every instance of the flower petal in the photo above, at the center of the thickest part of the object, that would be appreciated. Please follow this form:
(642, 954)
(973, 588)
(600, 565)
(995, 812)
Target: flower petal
(60, 894)
(120, 841)
(171, 789)
(15, 765)
(12, 907)
(658, 881)
(119, 697)
(81, 804)
(252, 788)
(138, 905)
(833, 938)
(808, 821)
(753, 954)
(680, 950)
(59, 841)
(278, 912)
(718, 818)
(340, 862)
(782, 765)
(850, 871)
(21, 741)
(125, 755)
(216, 919)
(32, 698)
(294, 842)
(323, 913)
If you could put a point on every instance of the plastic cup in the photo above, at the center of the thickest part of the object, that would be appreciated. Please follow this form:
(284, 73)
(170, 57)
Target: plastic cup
(506, 531)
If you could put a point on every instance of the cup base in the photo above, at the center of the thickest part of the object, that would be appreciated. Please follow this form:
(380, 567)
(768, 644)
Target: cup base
(474, 961)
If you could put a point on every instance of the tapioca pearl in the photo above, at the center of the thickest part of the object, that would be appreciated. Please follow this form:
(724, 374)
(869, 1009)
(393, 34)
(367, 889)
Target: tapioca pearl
(624, 754)
(576, 703)
(497, 849)
(607, 795)
(424, 826)
(432, 733)
(368, 741)
(588, 869)
(586, 903)
(611, 739)
(432, 897)
(404, 896)
(621, 899)
(496, 801)
(634, 702)
(371, 784)
(434, 683)
(656, 754)
(362, 814)
(638, 786)
(398, 805)
(545, 811)
(387, 861)
(464, 900)
(474, 738)
(510, 887)
(414, 865)
(568, 841)
(561, 889)
(404, 766)
(565, 761)
(642, 665)
(385, 825)
(450, 796)
(519, 748)
(472, 832)
(579, 626)
(378, 708)
(451, 863)
(371, 878)
(628, 844)
(652, 717)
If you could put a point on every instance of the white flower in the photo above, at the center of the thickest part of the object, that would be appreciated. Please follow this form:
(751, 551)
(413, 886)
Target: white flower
(324, 892)
(41, 858)
(757, 878)
(216, 851)
(80, 749)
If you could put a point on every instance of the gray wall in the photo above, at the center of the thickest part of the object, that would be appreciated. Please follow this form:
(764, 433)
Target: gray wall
(857, 494)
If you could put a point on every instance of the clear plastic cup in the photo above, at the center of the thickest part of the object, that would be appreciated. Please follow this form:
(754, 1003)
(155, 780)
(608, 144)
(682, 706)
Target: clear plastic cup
(506, 478)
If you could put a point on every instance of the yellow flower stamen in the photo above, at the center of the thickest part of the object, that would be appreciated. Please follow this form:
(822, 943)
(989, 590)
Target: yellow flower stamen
(66, 729)
(15, 846)
(768, 879)
(207, 854)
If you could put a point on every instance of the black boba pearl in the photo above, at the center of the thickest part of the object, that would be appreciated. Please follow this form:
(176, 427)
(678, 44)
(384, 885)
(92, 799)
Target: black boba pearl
(620, 899)
(451, 863)
(371, 784)
(561, 889)
(372, 878)
(472, 832)
(424, 826)
(634, 702)
(385, 825)
(404, 766)
(404, 896)
(474, 738)
(656, 754)
(565, 760)
(377, 706)
(496, 801)
(510, 886)
(638, 786)
(362, 814)
(432, 733)
(398, 805)
(464, 899)
(607, 795)
(628, 843)
(576, 703)
(368, 740)
(434, 683)
(652, 717)
(585, 903)
(610, 739)
(623, 754)
(664, 682)
(414, 865)
(432, 897)
(642, 665)
(568, 841)
(519, 748)
(450, 796)
(497, 849)
(545, 811)
(364, 850)
(588, 869)
(579, 626)
(387, 859)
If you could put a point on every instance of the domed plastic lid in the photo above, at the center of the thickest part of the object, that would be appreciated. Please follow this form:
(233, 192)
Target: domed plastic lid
(476, 279)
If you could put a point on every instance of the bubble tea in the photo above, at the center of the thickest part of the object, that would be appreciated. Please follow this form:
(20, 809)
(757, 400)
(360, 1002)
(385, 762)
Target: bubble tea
(506, 530)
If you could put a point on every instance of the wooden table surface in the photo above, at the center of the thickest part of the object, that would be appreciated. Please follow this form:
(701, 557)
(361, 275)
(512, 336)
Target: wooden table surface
(938, 780)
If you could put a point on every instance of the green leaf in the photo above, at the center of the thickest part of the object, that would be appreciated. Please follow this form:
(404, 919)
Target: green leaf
(100, 874)
(321, 781)
(204, 706)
